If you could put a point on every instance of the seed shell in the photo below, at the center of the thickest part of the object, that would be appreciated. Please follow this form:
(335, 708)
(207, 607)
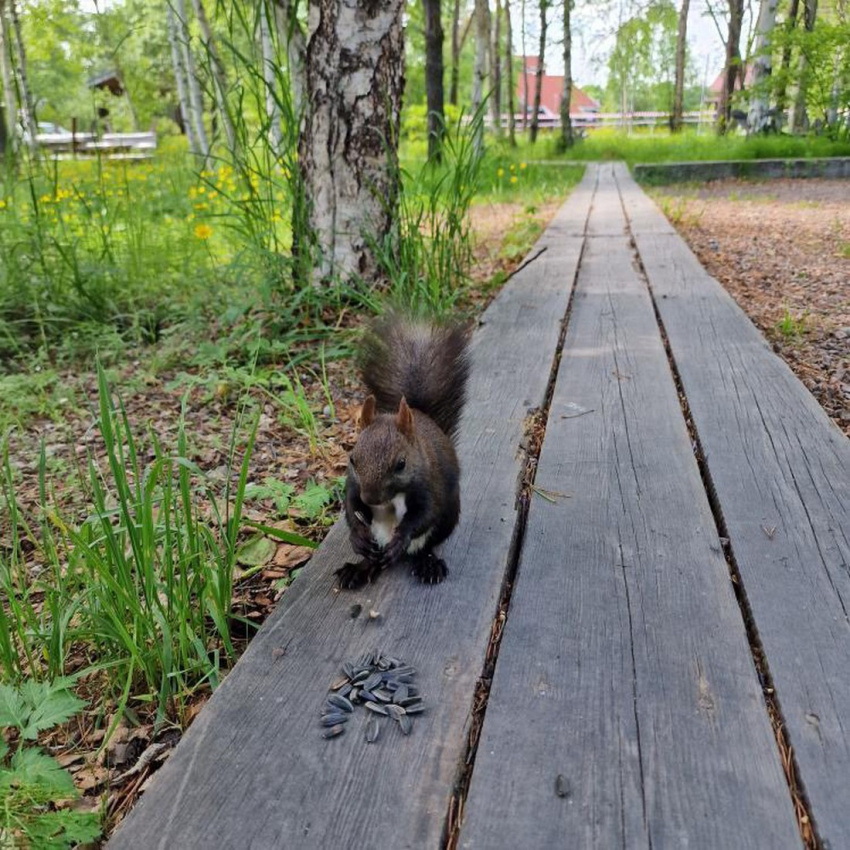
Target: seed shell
(377, 707)
(334, 719)
(405, 723)
(395, 711)
(333, 731)
(373, 730)
(340, 702)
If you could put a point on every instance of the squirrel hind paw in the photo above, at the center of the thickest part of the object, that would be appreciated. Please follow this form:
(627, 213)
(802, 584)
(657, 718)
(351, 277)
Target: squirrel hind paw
(352, 576)
(430, 569)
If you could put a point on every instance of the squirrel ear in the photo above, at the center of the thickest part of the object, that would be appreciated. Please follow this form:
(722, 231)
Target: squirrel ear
(367, 412)
(404, 419)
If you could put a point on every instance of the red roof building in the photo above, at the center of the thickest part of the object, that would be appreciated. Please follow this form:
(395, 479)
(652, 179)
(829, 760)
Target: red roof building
(551, 92)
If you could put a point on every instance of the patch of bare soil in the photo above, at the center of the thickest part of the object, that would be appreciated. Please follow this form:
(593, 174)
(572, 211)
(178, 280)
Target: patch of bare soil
(782, 249)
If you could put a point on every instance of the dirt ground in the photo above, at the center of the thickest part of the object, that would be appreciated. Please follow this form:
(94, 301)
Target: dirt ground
(782, 250)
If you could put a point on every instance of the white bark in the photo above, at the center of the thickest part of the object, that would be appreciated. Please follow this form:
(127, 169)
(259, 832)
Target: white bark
(348, 148)
(24, 93)
(180, 79)
(219, 74)
(759, 118)
(193, 88)
(479, 71)
(10, 101)
(270, 80)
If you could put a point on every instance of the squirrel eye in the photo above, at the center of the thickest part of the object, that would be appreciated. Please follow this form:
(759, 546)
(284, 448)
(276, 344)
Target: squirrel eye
(400, 465)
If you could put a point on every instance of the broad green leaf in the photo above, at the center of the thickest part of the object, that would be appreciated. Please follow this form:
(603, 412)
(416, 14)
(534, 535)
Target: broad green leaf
(256, 551)
(13, 707)
(49, 703)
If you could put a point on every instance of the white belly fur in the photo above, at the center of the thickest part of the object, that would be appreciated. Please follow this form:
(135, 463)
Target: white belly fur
(385, 519)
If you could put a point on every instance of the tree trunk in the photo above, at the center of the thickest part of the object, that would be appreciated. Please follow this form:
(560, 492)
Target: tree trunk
(681, 53)
(479, 73)
(800, 119)
(566, 99)
(524, 69)
(538, 82)
(9, 100)
(292, 35)
(455, 75)
(218, 72)
(509, 82)
(733, 62)
(348, 150)
(434, 78)
(270, 79)
(759, 119)
(496, 68)
(785, 66)
(193, 88)
(24, 93)
(180, 79)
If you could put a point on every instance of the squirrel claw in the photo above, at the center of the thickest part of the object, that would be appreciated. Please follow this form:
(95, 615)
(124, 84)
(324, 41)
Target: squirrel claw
(430, 569)
(352, 576)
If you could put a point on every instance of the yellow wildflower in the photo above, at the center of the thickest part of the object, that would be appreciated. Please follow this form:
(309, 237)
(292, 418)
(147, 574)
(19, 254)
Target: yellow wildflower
(523, 166)
(2, 204)
(513, 178)
(500, 173)
(203, 231)
(513, 167)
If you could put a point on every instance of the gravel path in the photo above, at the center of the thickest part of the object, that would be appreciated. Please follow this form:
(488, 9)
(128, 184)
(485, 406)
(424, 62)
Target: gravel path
(782, 249)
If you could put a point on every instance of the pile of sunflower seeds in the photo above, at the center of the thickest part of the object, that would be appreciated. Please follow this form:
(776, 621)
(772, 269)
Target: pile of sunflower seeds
(383, 685)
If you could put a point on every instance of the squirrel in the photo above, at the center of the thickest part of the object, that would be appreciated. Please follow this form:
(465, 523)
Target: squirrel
(402, 494)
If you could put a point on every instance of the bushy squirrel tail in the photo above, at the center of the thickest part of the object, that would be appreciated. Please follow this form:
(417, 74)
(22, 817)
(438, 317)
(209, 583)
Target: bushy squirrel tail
(424, 361)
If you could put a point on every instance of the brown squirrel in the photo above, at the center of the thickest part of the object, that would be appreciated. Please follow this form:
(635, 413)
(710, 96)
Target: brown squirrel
(402, 495)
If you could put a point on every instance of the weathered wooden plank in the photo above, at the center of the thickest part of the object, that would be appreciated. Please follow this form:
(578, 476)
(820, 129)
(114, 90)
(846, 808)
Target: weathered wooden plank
(624, 667)
(780, 470)
(253, 771)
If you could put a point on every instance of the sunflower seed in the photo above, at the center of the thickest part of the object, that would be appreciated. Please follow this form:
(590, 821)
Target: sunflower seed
(361, 676)
(415, 707)
(382, 695)
(372, 682)
(333, 731)
(345, 690)
(354, 695)
(348, 669)
(340, 702)
(405, 723)
(367, 696)
(339, 683)
(377, 707)
(395, 711)
(373, 730)
(400, 695)
(334, 719)
(562, 786)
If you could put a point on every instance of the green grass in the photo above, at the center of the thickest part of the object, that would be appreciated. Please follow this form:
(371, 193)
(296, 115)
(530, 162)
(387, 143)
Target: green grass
(689, 145)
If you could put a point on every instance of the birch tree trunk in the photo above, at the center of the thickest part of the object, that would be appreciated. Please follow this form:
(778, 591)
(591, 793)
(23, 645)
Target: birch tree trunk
(785, 65)
(218, 72)
(732, 67)
(759, 119)
(496, 68)
(24, 93)
(567, 97)
(681, 53)
(434, 78)
(455, 72)
(270, 79)
(180, 79)
(9, 99)
(509, 82)
(193, 89)
(538, 81)
(479, 71)
(800, 119)
(292, 35)
(348, 151)
(524, 68)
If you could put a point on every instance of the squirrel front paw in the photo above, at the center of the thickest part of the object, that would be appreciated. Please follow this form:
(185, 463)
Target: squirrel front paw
(351, 576)
(430, 569)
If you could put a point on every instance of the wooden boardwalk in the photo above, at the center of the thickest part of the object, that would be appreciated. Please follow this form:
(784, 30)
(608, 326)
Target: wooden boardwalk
(650, 646)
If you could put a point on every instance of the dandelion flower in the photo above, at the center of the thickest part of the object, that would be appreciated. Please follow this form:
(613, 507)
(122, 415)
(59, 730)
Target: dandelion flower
(513, 167)
(513, 178)
(500, 173)
(203, 231)
(523, 166)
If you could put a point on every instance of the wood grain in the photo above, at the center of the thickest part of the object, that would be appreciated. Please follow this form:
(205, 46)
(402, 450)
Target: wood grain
(780, 472)
(253, 771)
(625, 709)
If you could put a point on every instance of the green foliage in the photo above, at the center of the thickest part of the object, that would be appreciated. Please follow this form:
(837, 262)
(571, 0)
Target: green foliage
(791, 327)
(31, 782)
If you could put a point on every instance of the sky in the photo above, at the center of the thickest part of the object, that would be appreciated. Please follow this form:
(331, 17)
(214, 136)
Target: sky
(593, 38)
